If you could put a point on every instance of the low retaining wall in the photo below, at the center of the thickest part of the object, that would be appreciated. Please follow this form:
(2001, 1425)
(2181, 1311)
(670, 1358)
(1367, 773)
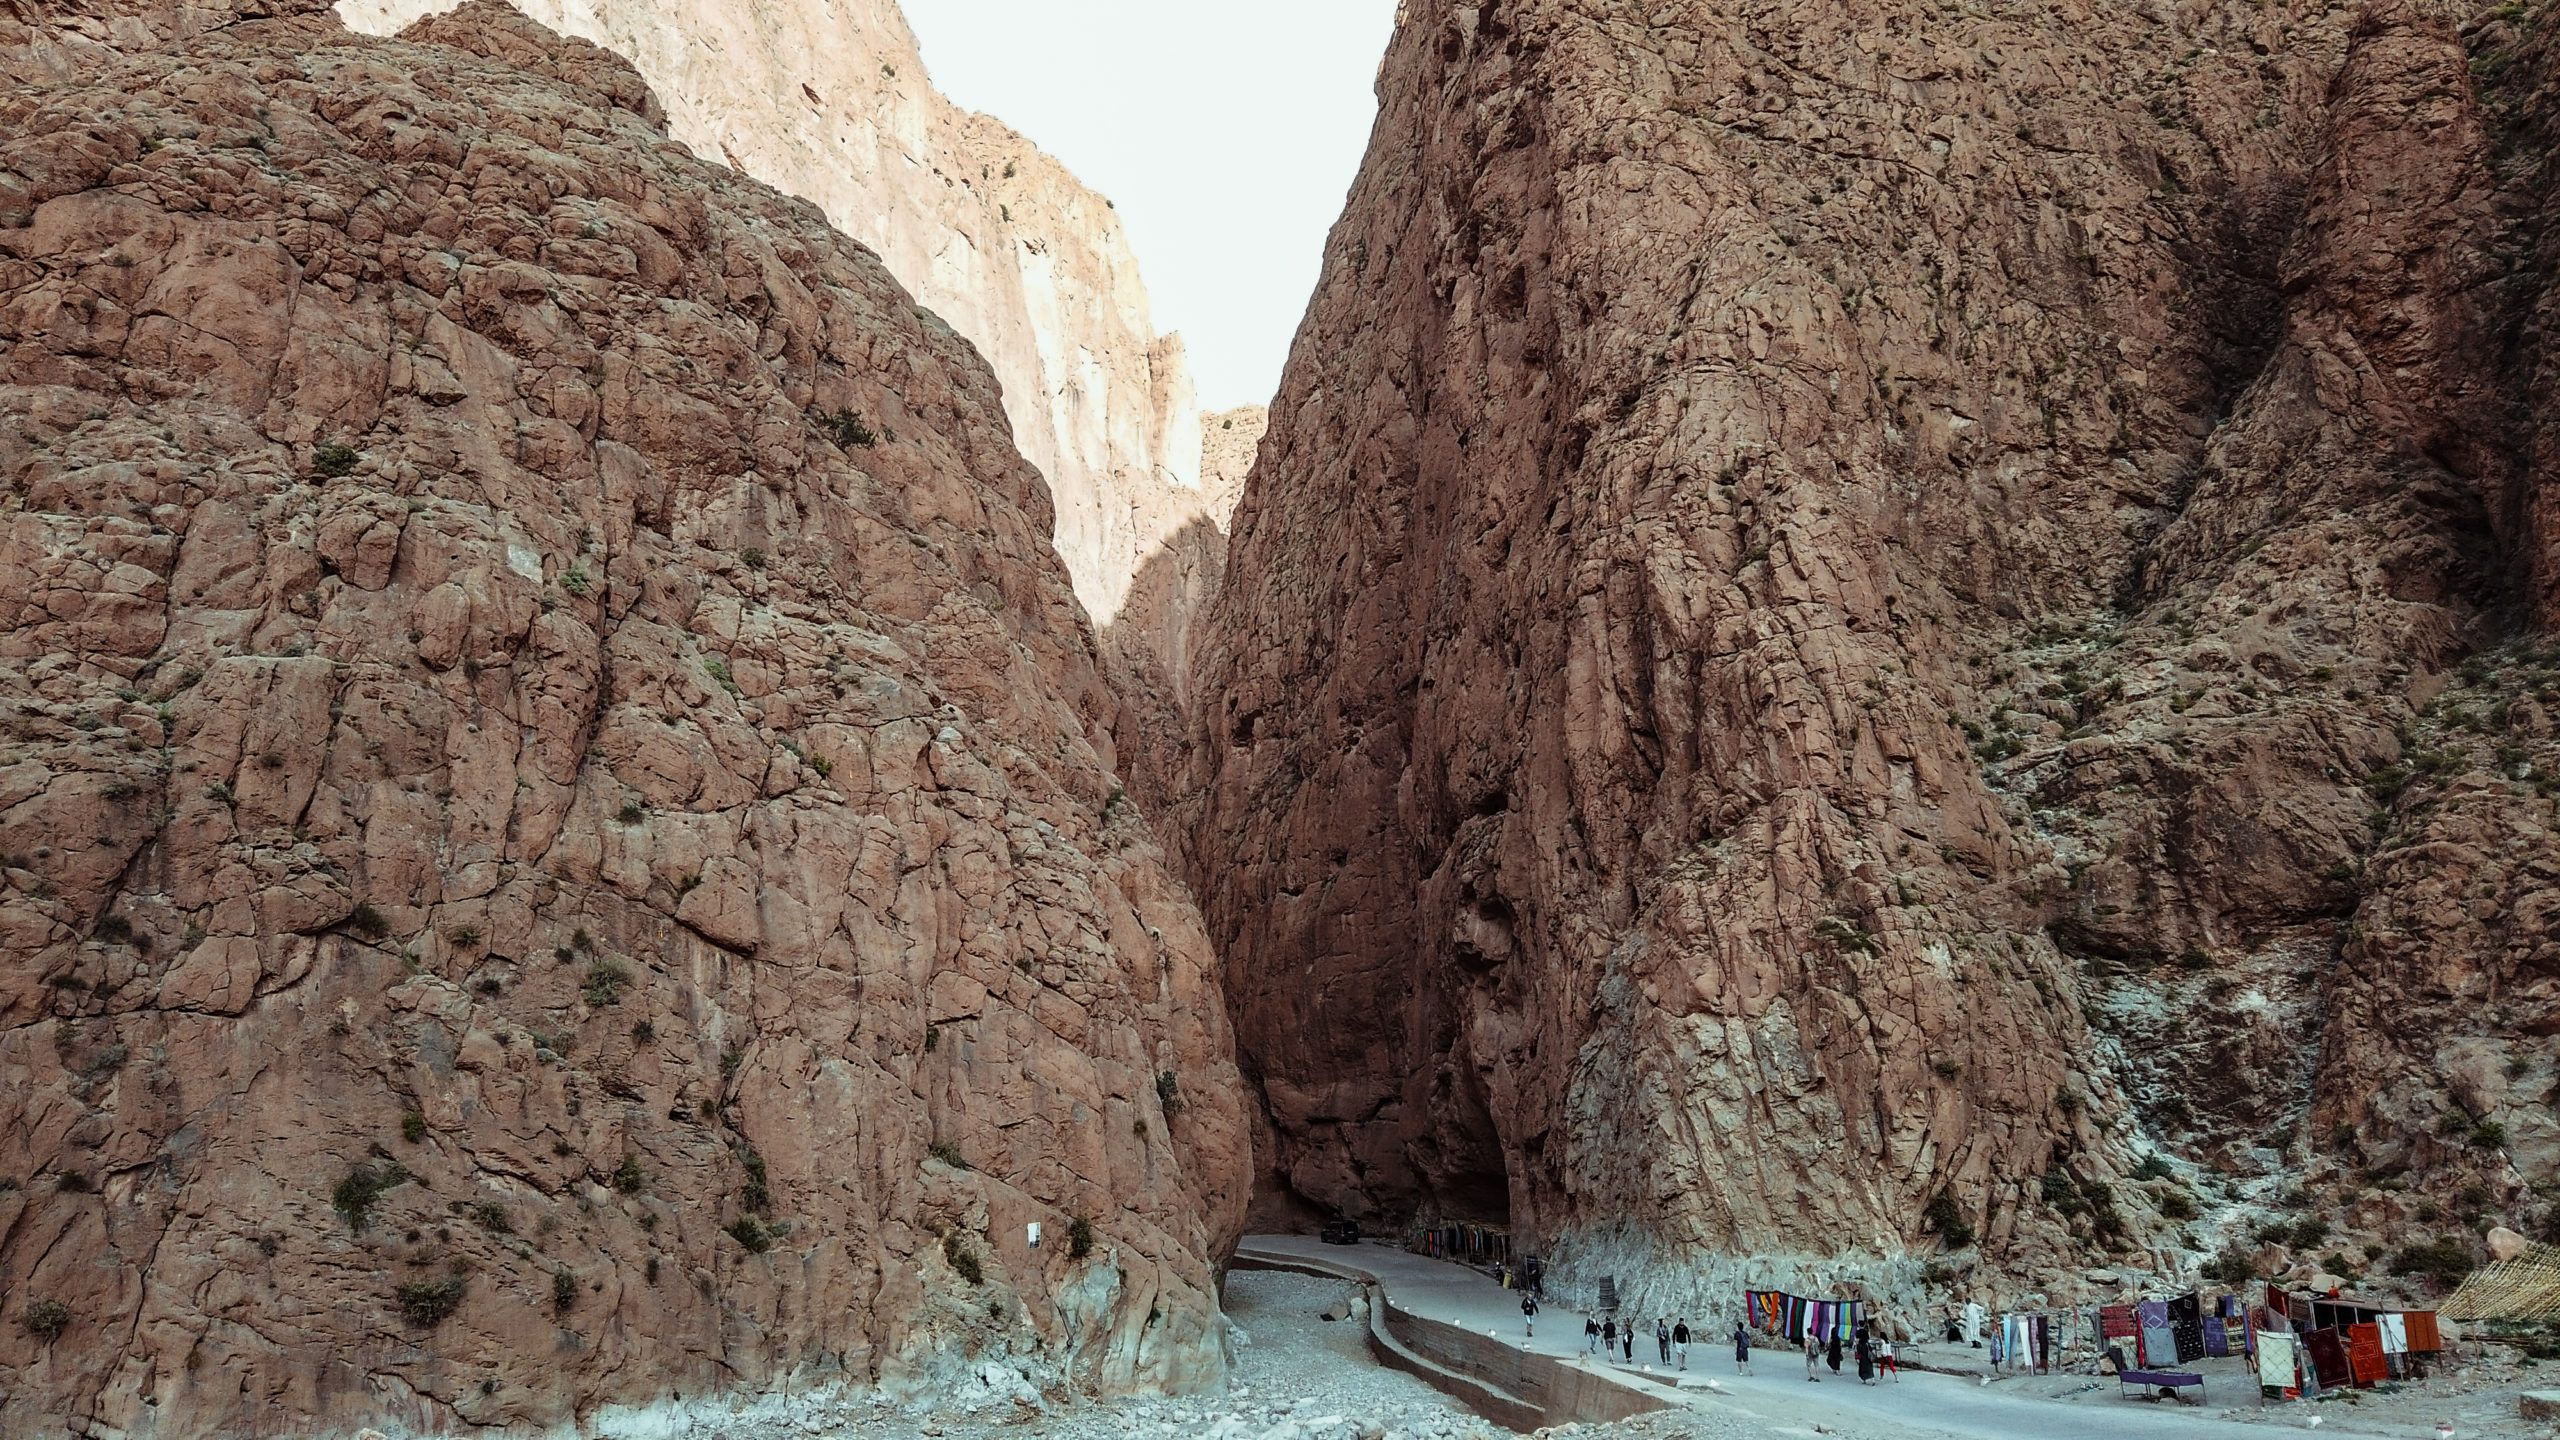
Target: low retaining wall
(1503, 1383)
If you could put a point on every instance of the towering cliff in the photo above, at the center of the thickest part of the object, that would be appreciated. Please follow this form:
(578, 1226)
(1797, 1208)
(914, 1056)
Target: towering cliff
(1832, 646)
(1151, 644)
(831, 102)
(560, 850)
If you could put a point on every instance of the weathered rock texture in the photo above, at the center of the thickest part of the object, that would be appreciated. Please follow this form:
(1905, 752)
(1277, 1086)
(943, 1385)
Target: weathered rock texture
(1805, 661)
(1149, 645)
(830, 101)
(510, 810)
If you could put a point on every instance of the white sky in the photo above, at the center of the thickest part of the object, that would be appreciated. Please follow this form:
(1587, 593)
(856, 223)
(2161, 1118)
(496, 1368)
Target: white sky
(1226, 132)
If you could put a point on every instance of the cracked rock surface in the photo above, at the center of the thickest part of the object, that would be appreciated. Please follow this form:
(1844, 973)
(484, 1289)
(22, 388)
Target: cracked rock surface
(1825, 654)
(543, 869)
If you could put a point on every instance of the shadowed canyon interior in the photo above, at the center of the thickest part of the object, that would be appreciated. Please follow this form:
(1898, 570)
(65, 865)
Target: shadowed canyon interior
(1878, 644)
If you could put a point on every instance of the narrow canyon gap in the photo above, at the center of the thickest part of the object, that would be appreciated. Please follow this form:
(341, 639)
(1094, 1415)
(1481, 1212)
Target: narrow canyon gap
(1881, 645)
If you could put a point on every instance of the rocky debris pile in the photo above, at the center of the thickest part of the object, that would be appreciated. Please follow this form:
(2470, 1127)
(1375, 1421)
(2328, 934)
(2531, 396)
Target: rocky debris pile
(560, 845)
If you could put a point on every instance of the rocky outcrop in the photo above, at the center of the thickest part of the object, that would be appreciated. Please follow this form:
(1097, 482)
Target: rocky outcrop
(1803, 667)
(832, 103)
(560, 841)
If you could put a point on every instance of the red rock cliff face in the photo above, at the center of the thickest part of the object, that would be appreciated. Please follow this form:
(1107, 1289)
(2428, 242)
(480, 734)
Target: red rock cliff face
(1803, 664)
(541, 873)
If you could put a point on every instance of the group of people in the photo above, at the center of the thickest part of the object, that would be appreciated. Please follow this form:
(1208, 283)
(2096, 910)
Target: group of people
(1874, 1352)
(1604, 1336)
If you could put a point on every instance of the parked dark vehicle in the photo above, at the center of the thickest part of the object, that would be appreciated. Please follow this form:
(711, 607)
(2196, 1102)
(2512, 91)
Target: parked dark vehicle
(1340, 1232)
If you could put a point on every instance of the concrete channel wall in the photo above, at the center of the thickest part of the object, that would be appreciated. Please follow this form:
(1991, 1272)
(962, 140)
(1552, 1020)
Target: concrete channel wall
(1503, 1383)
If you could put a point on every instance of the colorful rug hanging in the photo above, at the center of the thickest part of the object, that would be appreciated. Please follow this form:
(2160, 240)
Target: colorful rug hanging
(2186, 1325)
(2365, 1360)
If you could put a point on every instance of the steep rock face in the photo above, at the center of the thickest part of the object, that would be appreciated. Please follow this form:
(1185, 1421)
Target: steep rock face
(2451, 962)
(541, 872)
(1801, 662)
(1150, 644)
(830, 101)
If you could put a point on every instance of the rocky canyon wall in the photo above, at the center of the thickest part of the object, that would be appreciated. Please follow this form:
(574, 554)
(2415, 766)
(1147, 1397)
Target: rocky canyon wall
(1837, 642)
(1151, 644)
(831, 102)
(546, 868)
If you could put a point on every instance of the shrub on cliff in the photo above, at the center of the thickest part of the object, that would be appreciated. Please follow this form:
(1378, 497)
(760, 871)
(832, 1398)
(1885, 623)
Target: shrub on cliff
(606, 980)
(428, 1303)
(335, 459)
(362, 1189)
(1949, 1223)
(2444, 1260)
(849, 432)
(46, 1320)
(2231, 1267)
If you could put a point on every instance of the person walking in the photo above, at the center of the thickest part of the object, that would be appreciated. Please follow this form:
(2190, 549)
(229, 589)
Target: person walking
(1866, 1358)
(1812, 1356)
(1680, 1342)
(1662, 1336)
(1832, 1355)
(1884, 1352)
(1528, 1314)
(1590, 1335)
(1609, 1336)
(1741, 1348)
(1627, 1337)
